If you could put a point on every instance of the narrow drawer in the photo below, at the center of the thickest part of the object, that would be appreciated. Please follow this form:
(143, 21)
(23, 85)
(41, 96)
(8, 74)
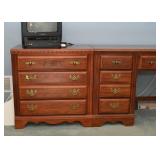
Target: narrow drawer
(115, 77)
(53, 107)
(114, 105)
(52, 62)
(147, 62)
(29, 78)
(115, 90)
(116, 62)
(53, 92)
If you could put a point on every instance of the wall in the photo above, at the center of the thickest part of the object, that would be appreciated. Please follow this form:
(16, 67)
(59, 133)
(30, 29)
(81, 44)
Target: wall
(87, 33)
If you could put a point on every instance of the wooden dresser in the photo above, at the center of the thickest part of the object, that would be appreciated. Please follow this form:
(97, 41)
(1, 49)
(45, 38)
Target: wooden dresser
(90, 85)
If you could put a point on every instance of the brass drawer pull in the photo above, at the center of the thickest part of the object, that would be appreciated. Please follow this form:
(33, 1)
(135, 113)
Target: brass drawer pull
(151, 62)
(76, 62)
(75, 106)
(31, 77)
(30, 63)
(114, 105)
(115, 90)
(31, 92)
(116, 76)
(74, 92)
(115, 62)
(31, 107)
(74, 77)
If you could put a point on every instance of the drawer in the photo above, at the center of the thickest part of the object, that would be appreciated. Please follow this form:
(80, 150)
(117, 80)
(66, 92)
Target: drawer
(53, 92)
(52, 62)
(115, 90)
(116, 62)
(114, 105)
(53, 107)
(115, 77)
(29, 78)
(147, 62)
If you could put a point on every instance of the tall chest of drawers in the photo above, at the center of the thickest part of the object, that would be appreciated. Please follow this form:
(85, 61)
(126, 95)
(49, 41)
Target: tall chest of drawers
(90, 86)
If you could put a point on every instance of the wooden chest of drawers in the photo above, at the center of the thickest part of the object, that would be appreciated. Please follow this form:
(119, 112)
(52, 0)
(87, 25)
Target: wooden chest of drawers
(89, 86)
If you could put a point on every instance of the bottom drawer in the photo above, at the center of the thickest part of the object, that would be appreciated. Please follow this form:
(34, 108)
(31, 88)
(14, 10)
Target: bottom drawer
(114, 105)
(53, 107)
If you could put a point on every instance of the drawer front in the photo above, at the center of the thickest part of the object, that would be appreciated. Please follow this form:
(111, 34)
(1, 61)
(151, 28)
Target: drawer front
(114, 105)
(116, 62)
(29, 78)
(53, 107)
(115, 77)
(147, 62)
(52, 62)
(53, 92)
(114, 90)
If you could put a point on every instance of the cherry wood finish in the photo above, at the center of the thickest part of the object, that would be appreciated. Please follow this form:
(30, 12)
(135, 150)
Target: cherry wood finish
(89, 85)
(115, 77)
(53, 92)
(116, 90)
(107, 92)
(53, 78)
(114, 106)
(116, 62)
(39, 62)
(53, 107)
(147, 62)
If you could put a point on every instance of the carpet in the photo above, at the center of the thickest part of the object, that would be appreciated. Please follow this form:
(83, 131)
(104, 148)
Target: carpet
(145, 125)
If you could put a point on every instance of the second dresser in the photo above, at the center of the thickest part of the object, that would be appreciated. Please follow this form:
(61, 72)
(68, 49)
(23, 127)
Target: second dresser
(114, 86)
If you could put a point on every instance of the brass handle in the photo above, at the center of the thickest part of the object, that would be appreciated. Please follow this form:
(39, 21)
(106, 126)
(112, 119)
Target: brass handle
(74, 77)
(74, 91)
(75, 106)
(76, 62)
(151, 62)
(115, 90)
(116, 76)
(30, 62)
(31, 107)
(114, 105)
(115, 62)
(31, 92)
(30, 77)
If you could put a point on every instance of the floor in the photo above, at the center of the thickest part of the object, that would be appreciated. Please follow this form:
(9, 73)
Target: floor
(145, 125)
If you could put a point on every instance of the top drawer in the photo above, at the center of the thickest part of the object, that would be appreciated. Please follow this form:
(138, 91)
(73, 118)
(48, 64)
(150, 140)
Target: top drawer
(147, 62)
(116, 62)
(52, 62)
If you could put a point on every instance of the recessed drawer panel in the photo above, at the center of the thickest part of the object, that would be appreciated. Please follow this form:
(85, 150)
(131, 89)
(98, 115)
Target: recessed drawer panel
(147, 62)
(29, 78)
(114, 105)
(116, 62)
(114, 90)
(53, 92)
(53, 107)
(115, 77)
(52, 62)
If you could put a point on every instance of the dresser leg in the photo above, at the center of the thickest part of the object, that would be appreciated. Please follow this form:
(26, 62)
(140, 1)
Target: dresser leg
(86, 123)
(19, 124)
(128, 122)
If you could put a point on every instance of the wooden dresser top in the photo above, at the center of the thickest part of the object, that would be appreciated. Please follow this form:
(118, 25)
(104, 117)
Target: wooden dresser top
(91, 48)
